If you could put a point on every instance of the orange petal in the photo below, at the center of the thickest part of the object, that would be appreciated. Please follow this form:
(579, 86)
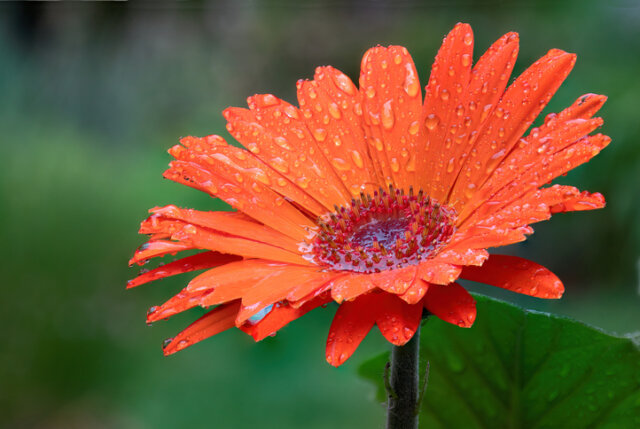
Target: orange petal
(558, 132)
(275, 287)
(280, 316)
(253, 198)
(274, 131)
(396, 319)
(352, 322)
(539, 205)
(395, 281)
(392, 101)
(461, 255)
(451, 303)
(153, 249)
(430, 271)
(246, 167)
(444, 101)
(331, 107)
(516, 110)
(516, 274)
(232, 281)
(217, 320)
(204, 238)
(454, 137)
(229, 223)
(191, 263)
(178, 303)
(546, 169)
(483, 237)
(350, 287)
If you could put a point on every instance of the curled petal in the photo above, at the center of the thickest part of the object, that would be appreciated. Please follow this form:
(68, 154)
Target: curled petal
(516, 274)
(217, 320)
(191, 263)
(352, 322)
(451, 303)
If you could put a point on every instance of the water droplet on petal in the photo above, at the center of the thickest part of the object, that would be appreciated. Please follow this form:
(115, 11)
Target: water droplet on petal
(465, 59)
(357, 158)
(431, 121)
(387, 115)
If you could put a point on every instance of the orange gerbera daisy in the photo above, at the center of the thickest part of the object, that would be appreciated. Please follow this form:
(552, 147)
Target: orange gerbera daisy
(376, 198)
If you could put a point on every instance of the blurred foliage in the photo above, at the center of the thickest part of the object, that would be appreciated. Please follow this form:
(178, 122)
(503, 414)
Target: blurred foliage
(92, 96)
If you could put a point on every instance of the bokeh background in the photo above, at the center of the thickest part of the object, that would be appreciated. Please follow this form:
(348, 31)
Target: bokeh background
(91, 97)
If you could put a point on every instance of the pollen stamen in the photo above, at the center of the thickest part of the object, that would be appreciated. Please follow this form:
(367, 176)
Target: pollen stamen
(388, 230)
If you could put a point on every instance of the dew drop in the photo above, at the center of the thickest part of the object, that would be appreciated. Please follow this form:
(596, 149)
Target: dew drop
(465, 59)
(387, 115)
(370, 92)
(357, 158)
(414, 127)
(431, 121)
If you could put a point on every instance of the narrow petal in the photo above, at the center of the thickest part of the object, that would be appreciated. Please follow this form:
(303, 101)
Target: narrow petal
(204, 238)
(351, 286)
(430, 272)
(332, 109)
(352, 322)
(558, 132)
(229, 223)
(516, 110)
(156, 248)
(213, 151)
(451, 303)
(217, 320)
(396, 319)
(516, 274)
(280, 316)
(274, 131)
(234, 280)
(253, 198)
(276, 287)
(453, 121)
(546, 169)
(191, 263)
(444, 96)
(392, 101)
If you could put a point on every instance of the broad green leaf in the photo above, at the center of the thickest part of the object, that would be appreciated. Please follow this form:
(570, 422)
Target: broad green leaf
(523, 369)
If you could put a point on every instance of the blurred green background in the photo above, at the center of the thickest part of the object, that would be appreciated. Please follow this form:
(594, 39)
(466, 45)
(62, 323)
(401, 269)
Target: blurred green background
(93, 94)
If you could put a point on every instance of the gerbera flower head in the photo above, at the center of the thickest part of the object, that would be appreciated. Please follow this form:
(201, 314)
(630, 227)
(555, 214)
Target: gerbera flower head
(377, 197)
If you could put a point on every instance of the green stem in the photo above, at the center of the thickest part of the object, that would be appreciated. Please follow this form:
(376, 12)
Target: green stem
(403, 397)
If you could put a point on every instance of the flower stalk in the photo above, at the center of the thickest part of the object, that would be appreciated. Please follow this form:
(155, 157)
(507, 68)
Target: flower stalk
(403, 385)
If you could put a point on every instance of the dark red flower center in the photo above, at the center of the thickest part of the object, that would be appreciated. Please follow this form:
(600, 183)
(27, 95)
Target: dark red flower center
(385, 231)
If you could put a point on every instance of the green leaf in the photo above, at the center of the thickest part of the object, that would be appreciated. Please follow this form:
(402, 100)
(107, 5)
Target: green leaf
(517, 368)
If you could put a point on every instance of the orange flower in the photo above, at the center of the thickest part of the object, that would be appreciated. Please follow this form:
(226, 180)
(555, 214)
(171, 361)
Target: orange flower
(376, 198)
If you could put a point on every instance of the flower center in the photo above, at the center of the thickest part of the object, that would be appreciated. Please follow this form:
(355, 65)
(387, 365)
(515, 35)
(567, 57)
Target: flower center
(385, 231)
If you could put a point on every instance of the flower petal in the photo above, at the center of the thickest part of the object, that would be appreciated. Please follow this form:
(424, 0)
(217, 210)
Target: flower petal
(204, 238)
(558, 132)
(516, 274)
(213, 151)
(229, 223)
(453, 122)
(451, 303)
(396, 319)
(280, 316)
(274, 131)
(516, 110)
(191, 263)
(352, 322)
(217, 320)
(275, 287)
(332, 109)
(392, 107)
(155, 248)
